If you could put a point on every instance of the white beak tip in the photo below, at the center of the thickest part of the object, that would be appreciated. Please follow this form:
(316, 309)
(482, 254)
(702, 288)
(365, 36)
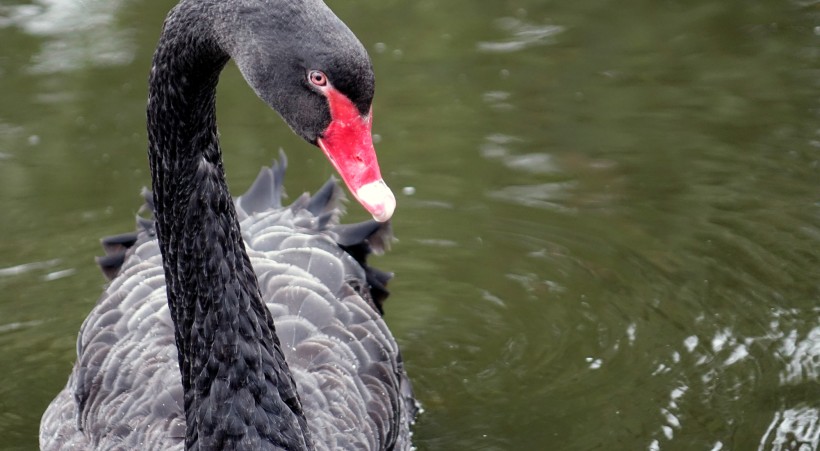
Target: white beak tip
(378, 199)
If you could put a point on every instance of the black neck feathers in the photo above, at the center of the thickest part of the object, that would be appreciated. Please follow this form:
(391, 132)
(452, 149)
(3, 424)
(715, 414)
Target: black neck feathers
(239, 393)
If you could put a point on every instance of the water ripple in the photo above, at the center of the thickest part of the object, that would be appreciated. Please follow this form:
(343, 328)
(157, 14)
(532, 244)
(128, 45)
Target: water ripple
(549, 196)
(793, 429)
(497, 147)
(81, 34)
(795, 426)
(27, 267)
(19, 325)
(523, 35)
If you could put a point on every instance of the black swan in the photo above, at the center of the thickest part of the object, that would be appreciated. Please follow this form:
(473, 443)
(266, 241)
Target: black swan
(181, 350)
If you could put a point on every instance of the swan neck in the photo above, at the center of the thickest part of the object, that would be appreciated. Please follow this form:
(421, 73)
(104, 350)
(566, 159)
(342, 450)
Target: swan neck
(239, 393)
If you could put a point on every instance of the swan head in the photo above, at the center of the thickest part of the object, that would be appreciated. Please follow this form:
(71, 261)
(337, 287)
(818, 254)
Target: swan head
(307, 65)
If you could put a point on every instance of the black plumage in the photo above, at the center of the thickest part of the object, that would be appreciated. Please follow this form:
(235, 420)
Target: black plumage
(220, 335)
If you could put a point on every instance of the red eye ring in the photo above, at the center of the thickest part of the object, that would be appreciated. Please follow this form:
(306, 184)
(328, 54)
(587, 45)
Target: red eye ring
(317, 78)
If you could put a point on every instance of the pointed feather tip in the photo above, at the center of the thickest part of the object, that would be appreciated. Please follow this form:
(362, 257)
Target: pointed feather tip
(328, 198)
(359, 241)
(279, 168)
(382, 238)
(377, 235)
(148, 198)
(267, 190)
(146, 225)
(118, 243)
(111, 264)
(381, 277)
(326, 220)
(325, 206)
(145, 215)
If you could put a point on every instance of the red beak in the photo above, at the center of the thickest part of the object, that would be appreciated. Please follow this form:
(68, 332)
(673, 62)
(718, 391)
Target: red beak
(348, 144)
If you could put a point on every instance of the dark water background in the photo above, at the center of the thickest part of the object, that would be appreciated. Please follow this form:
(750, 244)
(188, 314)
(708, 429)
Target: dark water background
(609, 211)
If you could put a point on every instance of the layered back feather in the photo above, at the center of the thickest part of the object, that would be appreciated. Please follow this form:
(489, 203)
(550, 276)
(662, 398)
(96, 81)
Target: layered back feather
(125, 390)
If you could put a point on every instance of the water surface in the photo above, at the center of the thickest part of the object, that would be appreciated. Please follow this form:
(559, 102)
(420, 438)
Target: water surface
(608, 221)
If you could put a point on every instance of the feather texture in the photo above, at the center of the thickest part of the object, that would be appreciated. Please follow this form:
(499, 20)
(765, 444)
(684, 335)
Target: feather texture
(125, 390)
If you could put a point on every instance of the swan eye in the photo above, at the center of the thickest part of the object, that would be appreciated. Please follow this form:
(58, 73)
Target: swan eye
(318, 78)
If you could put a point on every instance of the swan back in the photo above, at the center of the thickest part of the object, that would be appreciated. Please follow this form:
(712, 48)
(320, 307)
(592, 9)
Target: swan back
(125, 391)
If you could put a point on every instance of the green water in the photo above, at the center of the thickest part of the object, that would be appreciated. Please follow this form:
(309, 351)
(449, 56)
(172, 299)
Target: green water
(608, 212)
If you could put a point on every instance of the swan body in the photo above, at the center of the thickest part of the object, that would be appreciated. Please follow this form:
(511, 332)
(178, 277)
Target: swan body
(125, 391)
(243, 324)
